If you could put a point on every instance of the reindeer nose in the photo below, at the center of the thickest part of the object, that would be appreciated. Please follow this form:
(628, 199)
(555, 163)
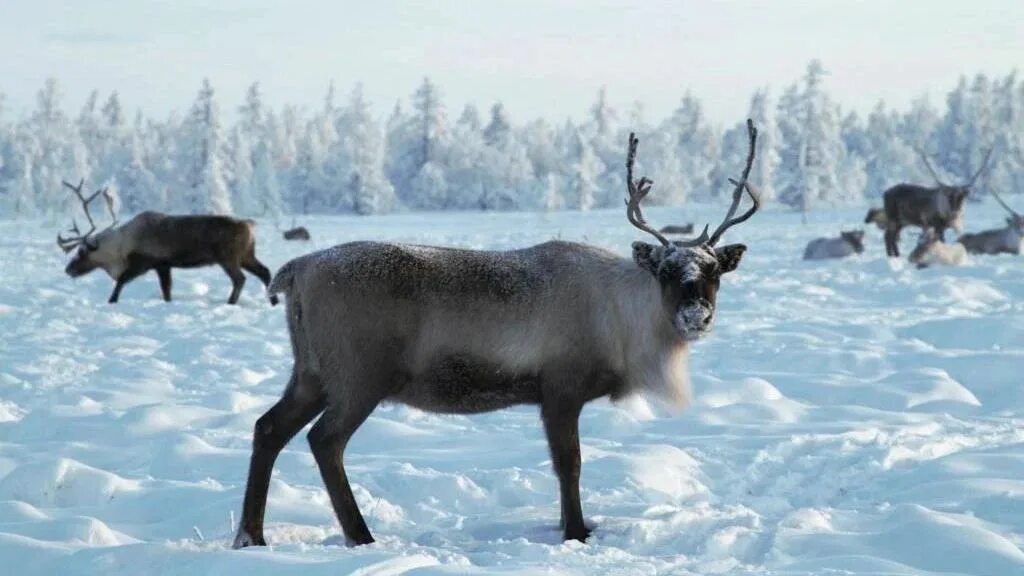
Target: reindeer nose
(706, 321)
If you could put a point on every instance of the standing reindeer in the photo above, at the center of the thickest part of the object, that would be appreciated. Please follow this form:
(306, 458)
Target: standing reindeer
(460, 331)
(1001, 240)
(155, 241)
(938, 207)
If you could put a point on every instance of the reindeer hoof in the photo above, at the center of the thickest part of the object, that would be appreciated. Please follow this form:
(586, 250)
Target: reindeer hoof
(244, 540)
(579, 534)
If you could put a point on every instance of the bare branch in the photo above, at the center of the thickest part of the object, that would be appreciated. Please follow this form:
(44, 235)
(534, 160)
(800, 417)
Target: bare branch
(638, 190)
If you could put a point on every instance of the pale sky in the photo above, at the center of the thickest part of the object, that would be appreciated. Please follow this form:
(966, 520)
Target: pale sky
(541, 58)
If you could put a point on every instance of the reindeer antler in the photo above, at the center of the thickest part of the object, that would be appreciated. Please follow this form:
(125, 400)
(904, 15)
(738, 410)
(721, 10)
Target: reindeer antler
(1004, 204)
(984, 164)
(637, 192)
(928, 165)
(737, 194)
(68, 244)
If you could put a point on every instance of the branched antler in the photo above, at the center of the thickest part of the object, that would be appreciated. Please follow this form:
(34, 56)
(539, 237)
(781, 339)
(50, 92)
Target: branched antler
(637, 192)
(928, 165)
(68, 244)
(1004, 204)
(984, 164)
(737, 196)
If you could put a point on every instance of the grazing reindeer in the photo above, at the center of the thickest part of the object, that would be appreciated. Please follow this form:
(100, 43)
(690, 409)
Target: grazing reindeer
(931, 250)
(848, 243)
(938, 207)
(297, 233)
(155, 241)
(677, 228)
(463, 331)
(1001, 240)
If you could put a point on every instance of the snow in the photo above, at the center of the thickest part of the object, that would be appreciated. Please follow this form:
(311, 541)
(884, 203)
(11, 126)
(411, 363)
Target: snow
(853, 416)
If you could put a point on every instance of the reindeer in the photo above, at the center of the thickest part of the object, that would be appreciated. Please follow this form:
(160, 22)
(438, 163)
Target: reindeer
(938, 207)
(1001, 240)
(848, 243)
(296, 233)
(448, 330)
(931, 250)
(155, 241)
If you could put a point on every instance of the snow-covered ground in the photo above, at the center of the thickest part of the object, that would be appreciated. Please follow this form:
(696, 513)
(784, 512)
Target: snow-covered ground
(851, 417)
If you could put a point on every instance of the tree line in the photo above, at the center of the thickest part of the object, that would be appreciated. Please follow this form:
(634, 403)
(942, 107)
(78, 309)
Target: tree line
(341, 159)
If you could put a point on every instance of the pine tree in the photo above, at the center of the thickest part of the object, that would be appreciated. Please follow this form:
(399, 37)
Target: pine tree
(205, 179)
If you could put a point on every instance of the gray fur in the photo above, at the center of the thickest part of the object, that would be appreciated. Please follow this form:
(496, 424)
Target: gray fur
(998, 241)
(461, 331)
(847, 244)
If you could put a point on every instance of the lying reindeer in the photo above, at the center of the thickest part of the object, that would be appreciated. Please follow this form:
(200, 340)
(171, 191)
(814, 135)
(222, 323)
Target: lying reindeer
(938, 207)
(1001, 240)
(155, 241)
(296, 233)
(847, 244)
(463, 331)
(931, 250)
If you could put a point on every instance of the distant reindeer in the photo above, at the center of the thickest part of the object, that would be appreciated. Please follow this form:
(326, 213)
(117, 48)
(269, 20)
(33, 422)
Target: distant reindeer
(155, 241)
(931, 250)
(848, 243)
(296, 233)
(1001, 240)
(677, 228)
(460, 331)
(937, 208)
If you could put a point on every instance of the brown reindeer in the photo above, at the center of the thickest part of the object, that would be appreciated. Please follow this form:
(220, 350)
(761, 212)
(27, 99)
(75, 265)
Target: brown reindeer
(155, 241)
(937, 207)
(555, 325)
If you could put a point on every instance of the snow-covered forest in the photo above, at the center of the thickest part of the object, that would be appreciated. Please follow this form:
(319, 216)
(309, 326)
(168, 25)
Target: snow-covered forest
(347, 157)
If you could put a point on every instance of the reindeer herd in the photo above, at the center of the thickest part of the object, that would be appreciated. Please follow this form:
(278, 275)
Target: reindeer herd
(933, 209)
(447, 330)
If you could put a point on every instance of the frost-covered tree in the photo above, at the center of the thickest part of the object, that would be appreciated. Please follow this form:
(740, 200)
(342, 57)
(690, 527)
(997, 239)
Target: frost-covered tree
(205, 181)
(585, 168)
(697, 147)
(811, 150)
(357, 159)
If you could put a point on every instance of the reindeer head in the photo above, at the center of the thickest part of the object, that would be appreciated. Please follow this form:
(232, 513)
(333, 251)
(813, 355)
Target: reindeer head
(1015, 221)
(87, 245)
(854, 238)
(689, 271)
(876, 215)
(926, 243)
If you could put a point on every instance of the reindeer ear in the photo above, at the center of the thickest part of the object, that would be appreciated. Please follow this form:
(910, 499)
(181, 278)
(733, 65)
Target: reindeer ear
(646, 256)
(729, 256)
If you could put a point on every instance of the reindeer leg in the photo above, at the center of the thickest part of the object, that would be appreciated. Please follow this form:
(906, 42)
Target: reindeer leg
(328, 439)
(892, 242)
(302, 400)
(164, 272)
(257, 269)
(561, 424)
(237, 281)
(133, 271)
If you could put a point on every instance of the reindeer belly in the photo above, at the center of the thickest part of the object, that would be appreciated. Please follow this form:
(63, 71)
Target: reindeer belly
(463, 384)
